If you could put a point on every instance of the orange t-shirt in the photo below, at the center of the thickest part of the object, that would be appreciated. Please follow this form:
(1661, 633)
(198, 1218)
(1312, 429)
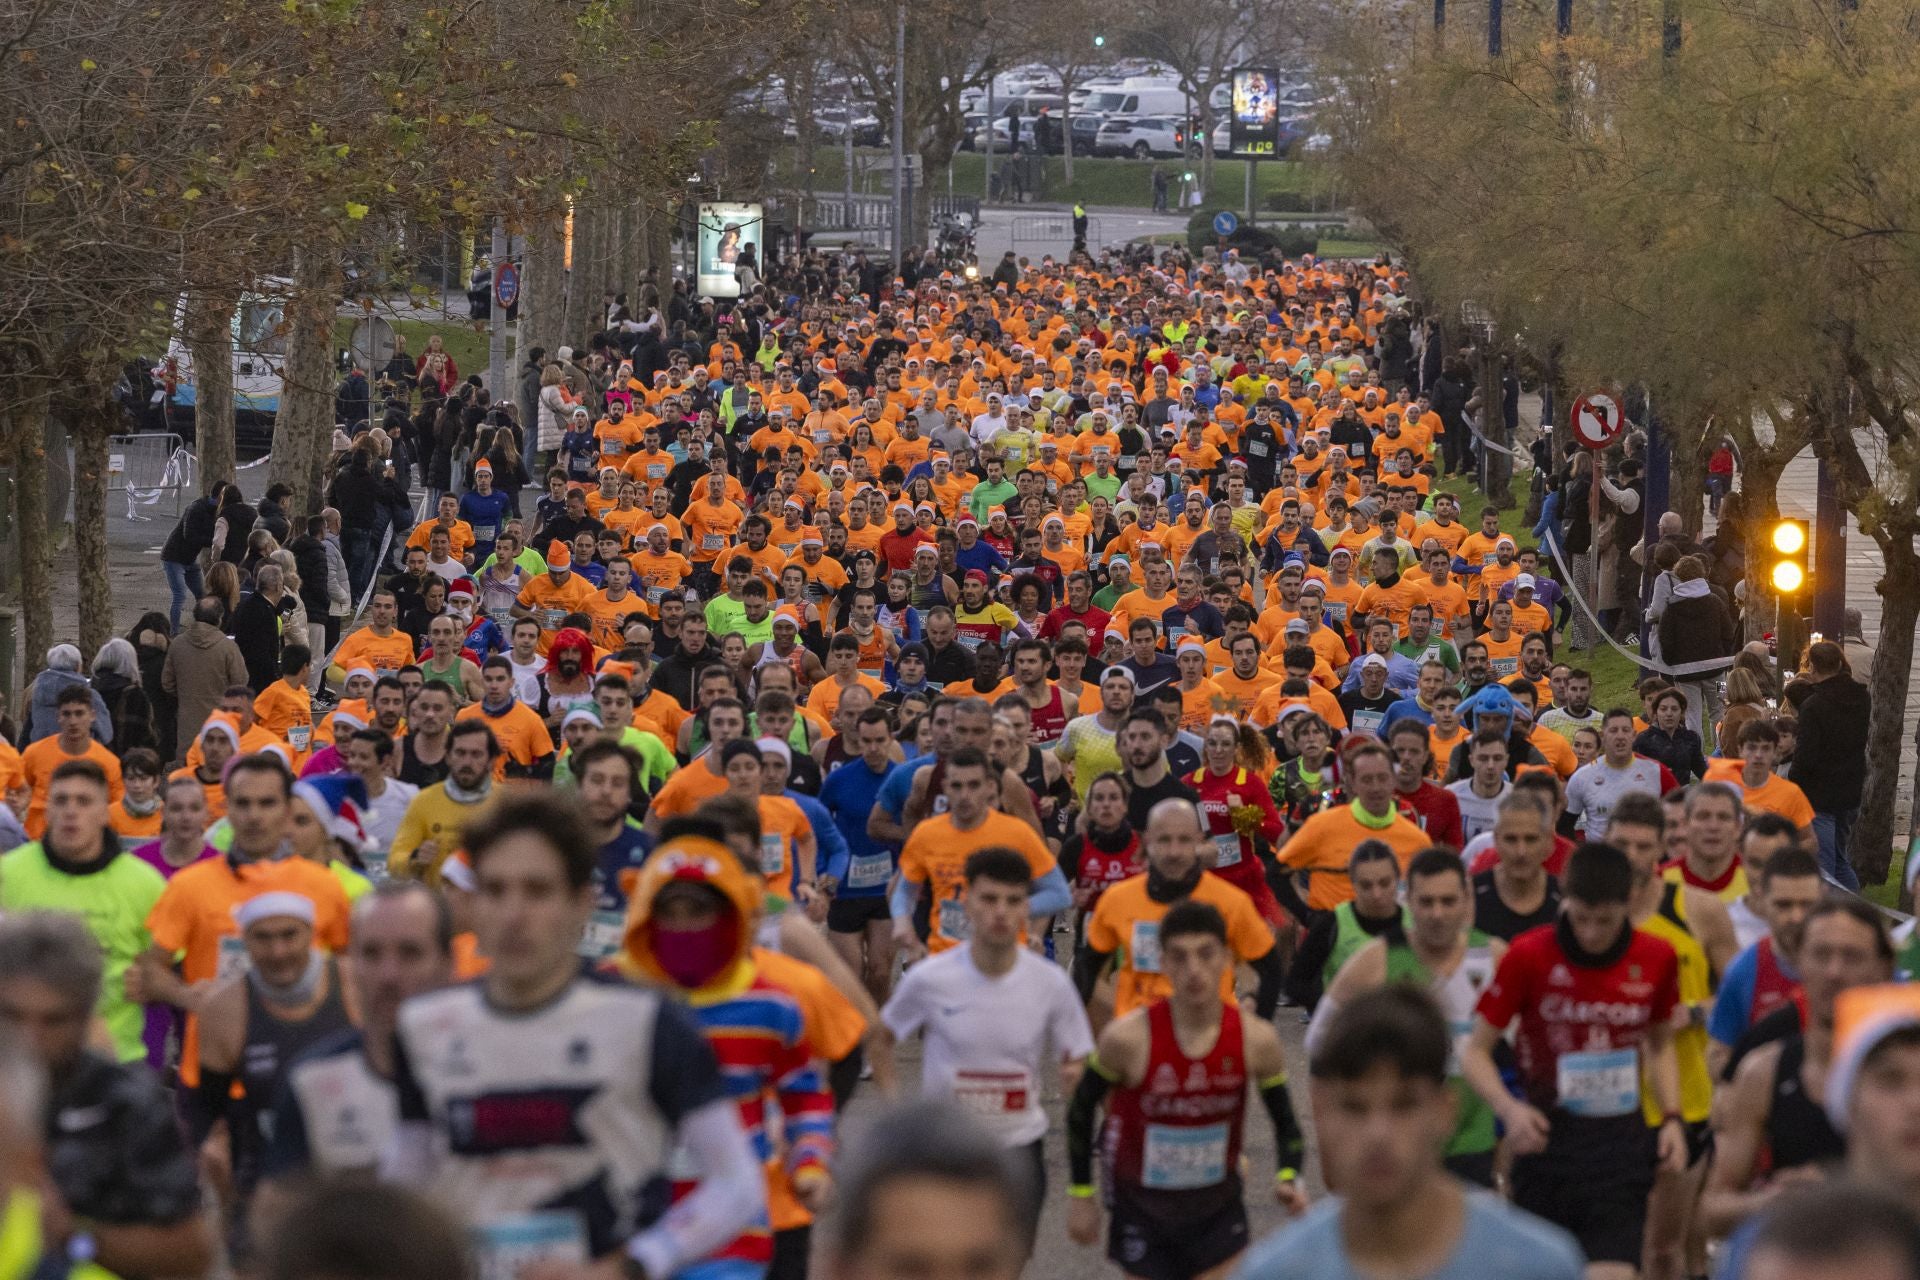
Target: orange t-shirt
(380, 653)
(37, 764)
(936, 855)
(1126, 924)
(690, 786)
(522, 735)
(194, 919)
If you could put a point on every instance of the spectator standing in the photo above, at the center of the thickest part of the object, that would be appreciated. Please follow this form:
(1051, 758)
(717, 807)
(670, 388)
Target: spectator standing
(1697, 627)
(192, 537)
(63, 670)
(200, 665)
(1830, 755)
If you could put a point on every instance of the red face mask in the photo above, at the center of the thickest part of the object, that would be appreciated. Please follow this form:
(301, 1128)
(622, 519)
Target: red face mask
(695, 957)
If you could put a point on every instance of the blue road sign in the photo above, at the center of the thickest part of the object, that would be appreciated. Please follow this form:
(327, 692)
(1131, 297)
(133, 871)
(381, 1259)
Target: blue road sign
(1225, 223)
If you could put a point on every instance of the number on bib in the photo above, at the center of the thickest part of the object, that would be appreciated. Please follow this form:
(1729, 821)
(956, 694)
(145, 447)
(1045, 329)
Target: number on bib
(1145, 946)
(504, 1246)
(1183, 1158)
(1599, 1083)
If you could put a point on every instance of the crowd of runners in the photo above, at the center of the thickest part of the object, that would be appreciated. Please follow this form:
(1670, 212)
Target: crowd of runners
(1034, 696)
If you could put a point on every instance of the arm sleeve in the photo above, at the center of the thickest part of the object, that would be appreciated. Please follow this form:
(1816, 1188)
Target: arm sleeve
(902, 898)
(1290, 1141)
(830, 843)
(1081, 1112)
(1050, 894)
(732, 1193)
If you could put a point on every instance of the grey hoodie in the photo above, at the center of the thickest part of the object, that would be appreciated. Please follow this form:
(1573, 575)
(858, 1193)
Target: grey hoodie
(43, 715)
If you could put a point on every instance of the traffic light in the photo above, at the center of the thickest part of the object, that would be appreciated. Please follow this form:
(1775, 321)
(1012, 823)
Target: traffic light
(1787, 567)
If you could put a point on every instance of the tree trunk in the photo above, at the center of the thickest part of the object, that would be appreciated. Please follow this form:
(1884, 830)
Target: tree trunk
(574, 310)
(1871, 846)
(1687, 493)
(90, 422)
(209, 334)
(544, 286)
(304, 430)
(28, 437)
(1493, 425)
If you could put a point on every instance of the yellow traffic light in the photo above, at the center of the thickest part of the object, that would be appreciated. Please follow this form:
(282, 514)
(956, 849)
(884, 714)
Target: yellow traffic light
(1788, 567)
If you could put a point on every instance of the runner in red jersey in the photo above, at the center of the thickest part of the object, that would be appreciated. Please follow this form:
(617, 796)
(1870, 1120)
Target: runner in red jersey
(1241, 848)
(1107, 850)
(1594, 998)
(1179, 1070)
(1047, 708)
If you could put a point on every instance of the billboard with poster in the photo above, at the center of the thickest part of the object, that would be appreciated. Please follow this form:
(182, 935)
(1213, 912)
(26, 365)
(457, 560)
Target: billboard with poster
(727, 231)
(1254, 128)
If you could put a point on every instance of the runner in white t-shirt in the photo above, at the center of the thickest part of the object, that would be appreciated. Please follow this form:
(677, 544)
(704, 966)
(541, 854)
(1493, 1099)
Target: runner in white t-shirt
(1480, 792)
(1597, 786)
(988, 1012)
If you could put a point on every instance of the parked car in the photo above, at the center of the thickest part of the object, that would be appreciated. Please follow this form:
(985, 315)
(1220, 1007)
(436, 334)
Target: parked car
(1140, 138)
(832, 124)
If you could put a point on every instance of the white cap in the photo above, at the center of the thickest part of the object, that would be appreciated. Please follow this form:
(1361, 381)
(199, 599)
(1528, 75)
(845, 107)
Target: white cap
(775, 746)
(270, 906)
(1524, 582)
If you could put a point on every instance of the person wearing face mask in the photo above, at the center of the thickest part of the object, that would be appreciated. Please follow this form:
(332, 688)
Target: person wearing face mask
(1124, 928)
(690, 930)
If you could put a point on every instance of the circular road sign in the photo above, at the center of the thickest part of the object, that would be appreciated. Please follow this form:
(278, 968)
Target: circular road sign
(1597, 420)
(1225, 222)
(506, 284)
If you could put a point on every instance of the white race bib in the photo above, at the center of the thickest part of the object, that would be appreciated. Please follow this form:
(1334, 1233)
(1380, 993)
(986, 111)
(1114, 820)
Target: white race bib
(712, 541)
(1599, 1083)
(1182, 1158)
(869, 871)
(300, 736)
(954, 924)
(503, 1246)
(1145, 946)
(992, 1093)
(233, 958)
(601, 937)
(773, 854)
(1226, 850)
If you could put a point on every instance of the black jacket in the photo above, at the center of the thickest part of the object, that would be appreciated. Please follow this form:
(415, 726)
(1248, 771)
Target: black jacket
(192, 535)
(1830, 753)
(1696, 629)
(255, 628)
(310, 562)
(353, 494)
(674, 675)
(272, 517)
(1680, 751)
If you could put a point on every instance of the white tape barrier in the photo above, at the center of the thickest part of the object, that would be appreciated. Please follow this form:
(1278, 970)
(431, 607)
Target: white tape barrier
(1685, 671)
(176, 478)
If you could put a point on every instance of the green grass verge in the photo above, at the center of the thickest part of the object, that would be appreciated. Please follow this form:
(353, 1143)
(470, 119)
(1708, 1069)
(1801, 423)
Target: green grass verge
(468, 349)
(1096, 181)
(1351, 248)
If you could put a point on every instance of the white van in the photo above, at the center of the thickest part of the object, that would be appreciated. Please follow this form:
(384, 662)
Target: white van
(1129, 101)
(259, 327)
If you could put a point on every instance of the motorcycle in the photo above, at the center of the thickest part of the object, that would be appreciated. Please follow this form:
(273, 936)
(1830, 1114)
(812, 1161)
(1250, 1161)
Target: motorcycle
(953, 239)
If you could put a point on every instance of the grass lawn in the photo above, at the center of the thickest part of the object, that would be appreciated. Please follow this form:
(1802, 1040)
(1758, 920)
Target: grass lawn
(1096, 181)
(1351, 248)
(468, 349)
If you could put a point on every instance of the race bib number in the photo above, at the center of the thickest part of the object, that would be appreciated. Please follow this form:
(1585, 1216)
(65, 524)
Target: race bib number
(1226, 851)
(300, 736)
(504, 1246)
(1259, 448)
(656, 594)
(822, 436)
(656, 471)
(773, 854)
(1145, 946)
(601, 938)
(954, 924)
(233, 958)
(550, 619)
(1337, 611)
(1599, 1083)
(1368, 721)
(712, 541)
(1182, 1158)
(1504, 666)
(992, 1093)
(870, 871)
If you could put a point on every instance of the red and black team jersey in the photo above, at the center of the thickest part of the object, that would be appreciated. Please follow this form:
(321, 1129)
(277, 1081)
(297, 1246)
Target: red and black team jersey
(1099, 868)
(1581, 1025)
(1174, 1139)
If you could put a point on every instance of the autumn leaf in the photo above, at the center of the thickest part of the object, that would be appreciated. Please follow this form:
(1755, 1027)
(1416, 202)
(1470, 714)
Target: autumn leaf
(356, 211)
